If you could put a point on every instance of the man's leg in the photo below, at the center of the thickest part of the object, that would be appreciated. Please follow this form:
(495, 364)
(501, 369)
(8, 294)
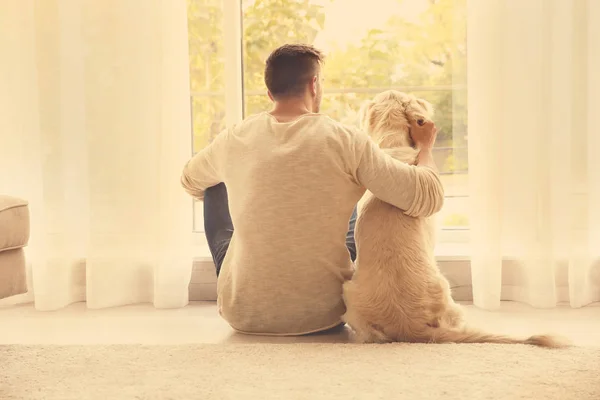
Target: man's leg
(218, 227)
(350, 244)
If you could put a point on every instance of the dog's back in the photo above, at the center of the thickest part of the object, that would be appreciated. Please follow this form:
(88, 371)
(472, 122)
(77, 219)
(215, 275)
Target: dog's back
(397, 286)
(388, 293)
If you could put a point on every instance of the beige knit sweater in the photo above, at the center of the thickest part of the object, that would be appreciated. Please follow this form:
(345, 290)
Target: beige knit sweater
(292, 187)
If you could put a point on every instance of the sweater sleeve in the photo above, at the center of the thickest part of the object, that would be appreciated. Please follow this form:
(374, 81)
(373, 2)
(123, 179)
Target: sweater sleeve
(416, 190)
(203, 170)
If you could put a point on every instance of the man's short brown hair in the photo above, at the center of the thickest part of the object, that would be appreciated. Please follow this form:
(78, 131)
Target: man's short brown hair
(290, 68)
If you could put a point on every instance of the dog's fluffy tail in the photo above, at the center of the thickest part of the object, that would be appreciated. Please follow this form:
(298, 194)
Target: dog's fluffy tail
(471, 335)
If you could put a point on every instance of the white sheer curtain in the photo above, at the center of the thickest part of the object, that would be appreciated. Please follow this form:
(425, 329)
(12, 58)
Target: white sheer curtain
(534, 151)
(94, 132)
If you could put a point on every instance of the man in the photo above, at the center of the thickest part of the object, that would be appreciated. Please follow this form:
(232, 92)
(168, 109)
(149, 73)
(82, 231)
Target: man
(279, 190)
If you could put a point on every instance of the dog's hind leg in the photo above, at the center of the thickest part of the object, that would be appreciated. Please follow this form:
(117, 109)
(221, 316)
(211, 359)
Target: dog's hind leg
(362, 331)
(453, 316)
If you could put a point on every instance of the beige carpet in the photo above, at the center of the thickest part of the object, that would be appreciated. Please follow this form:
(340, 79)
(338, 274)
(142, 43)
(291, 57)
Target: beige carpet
(299, 371)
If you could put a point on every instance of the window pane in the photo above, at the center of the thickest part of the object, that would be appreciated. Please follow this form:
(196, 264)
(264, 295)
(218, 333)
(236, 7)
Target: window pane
(268, 24)
(208, 119)
(454, 215)
(205, 34)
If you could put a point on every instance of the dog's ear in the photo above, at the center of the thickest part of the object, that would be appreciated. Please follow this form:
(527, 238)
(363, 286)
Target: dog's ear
(363, 115)
(419, 111)
(427, 106)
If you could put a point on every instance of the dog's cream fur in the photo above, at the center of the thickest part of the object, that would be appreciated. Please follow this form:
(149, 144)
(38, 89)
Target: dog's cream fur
(397, 292)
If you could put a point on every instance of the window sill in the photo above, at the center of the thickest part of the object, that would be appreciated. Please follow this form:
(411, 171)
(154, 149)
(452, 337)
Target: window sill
(447, 251)
(443, 252)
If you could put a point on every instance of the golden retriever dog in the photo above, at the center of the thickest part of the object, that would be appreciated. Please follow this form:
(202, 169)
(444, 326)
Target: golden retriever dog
(397, 293)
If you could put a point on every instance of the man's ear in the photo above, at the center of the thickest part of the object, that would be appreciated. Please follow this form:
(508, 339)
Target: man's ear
(363, 115)
(314, 85)
(270, 96)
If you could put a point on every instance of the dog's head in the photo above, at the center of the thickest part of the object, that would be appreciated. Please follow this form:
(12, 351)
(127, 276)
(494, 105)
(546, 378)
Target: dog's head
(388, 117)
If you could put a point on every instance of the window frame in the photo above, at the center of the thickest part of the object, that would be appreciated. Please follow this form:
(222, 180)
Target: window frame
(452, 241)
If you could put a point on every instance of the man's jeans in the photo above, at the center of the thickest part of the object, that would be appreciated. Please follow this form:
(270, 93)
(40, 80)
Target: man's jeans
(219, 228)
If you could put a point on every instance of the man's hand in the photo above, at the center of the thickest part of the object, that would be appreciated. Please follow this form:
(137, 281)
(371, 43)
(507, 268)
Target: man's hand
(423, 135)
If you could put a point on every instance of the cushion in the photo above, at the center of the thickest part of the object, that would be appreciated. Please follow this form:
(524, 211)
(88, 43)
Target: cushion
(14, 223)
(13, 278)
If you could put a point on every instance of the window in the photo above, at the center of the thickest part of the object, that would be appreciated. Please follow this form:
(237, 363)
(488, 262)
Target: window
(207, 76)
(417, 46)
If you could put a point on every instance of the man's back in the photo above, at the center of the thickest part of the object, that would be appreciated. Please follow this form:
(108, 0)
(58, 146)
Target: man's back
(291, 194)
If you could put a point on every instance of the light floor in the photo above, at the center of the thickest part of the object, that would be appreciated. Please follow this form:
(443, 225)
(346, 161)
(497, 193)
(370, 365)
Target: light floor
(200, 323)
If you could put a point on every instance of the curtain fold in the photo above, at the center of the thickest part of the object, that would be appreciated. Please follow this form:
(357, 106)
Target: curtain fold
(533, 83)
(98, 132)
